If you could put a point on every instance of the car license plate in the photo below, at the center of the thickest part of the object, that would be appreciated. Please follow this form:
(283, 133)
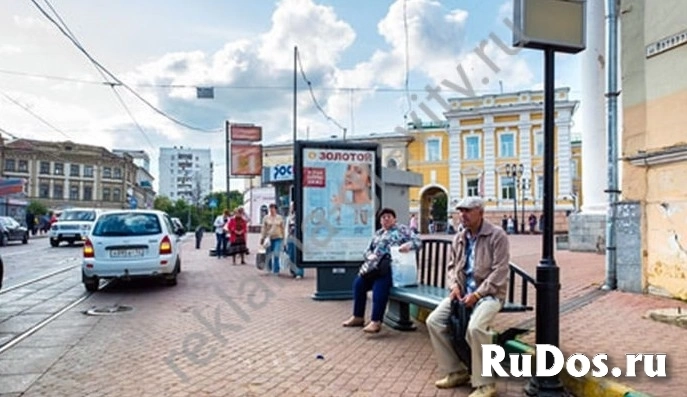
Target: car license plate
(127, 253)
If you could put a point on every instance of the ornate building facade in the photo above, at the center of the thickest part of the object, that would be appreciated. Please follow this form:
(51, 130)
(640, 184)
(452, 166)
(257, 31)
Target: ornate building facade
(67, 174)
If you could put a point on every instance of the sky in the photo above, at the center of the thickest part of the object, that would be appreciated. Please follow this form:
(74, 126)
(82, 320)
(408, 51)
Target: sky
(363, 66)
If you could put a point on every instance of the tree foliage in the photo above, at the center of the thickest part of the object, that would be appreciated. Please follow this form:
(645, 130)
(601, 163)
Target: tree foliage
(37, 208)
(201, 214)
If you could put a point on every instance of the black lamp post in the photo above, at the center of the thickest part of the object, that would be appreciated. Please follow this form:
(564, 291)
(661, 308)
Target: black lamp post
(524, 186)
(533, 29)
(515, 172)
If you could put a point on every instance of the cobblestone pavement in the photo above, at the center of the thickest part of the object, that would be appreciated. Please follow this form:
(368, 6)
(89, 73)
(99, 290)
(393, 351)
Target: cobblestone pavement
(235, 331)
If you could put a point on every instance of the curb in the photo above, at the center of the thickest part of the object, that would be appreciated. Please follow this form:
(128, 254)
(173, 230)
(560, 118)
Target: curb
(587, 386)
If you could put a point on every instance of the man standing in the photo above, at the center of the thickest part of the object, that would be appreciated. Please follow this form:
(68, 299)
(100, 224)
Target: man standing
(478, 276)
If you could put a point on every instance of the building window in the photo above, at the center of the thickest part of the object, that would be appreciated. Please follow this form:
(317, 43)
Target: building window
(74, 170)
(391, 163)
(507, 145)
(433, 149)
(88, 171)
(473, 187)
(107, 172)
(540, 187)
(58, 191)
(45, 168)
(44, 190)
(59, 168)
(472, 148)
(538, 143)
(507, 188)
(573, 169)
(74, 192)
(88, 193)
(23, 166)
(116, 194)
(106, 194)
(9, 164)
(117, 173)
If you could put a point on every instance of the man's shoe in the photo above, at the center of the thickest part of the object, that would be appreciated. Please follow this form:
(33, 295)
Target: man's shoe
(484, 391)
(453, 379)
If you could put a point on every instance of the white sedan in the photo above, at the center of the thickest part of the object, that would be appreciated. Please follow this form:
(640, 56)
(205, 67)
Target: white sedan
(131, 243)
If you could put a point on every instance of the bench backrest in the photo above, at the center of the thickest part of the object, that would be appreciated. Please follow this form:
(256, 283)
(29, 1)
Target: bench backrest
(432, 262)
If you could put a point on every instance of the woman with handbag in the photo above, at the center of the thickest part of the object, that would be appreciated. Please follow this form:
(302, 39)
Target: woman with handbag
(375, 272)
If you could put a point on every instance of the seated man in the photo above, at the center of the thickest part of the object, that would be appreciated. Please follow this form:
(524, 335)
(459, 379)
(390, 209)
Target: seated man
(478, 275)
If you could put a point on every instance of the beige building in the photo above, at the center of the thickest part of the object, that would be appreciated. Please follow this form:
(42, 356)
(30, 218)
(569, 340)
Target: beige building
(67, 174)
(652, 227)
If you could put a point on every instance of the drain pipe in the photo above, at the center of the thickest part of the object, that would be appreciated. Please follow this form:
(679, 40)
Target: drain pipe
(612, 131)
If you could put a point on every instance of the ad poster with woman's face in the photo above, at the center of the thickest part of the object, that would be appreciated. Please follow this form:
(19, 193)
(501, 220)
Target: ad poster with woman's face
(338, 204)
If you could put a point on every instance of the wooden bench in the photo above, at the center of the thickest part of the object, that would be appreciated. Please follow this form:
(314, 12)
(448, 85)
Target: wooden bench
(432, 262)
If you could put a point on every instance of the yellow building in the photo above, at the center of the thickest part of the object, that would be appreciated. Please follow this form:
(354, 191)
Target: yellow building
(484, 136)
(652, 226)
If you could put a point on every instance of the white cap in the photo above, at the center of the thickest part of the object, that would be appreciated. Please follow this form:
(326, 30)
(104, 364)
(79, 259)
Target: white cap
(470, 203)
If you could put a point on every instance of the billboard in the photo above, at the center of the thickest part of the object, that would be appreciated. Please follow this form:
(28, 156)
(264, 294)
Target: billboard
(245, 132)
(336, 196)
(246, 159)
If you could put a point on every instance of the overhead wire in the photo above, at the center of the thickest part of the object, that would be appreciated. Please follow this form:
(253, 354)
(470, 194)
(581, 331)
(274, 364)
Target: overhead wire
(31, 112)
(72, 36)
(115, 78)
(312, 95)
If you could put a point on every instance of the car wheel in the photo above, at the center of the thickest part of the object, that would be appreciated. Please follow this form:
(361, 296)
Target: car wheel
(3, 239)
(171, 279)
(90, 283)
(54, 243)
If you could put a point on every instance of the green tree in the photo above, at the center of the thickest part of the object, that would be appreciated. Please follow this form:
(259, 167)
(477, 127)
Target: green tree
(163, 203)
(439, 203)
(36, 208)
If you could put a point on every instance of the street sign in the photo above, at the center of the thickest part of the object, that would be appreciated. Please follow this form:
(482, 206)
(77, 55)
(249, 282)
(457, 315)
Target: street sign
(213, 203)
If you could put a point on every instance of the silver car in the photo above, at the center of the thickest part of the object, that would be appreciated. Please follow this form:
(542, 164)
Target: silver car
(131, 243)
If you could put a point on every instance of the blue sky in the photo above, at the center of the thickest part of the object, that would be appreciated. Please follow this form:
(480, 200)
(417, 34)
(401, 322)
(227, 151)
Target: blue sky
(352, 51)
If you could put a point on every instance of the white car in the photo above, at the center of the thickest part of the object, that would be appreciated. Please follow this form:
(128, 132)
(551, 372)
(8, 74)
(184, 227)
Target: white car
(72, 225)
(131, 243)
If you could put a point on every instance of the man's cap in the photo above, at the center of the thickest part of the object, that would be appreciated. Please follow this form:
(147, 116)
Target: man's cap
(469, 203)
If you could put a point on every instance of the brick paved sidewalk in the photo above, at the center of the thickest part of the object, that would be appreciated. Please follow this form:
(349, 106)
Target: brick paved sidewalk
(235, 331)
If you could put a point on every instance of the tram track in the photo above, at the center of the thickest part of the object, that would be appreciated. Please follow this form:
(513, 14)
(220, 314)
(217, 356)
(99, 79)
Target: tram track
(43, 307)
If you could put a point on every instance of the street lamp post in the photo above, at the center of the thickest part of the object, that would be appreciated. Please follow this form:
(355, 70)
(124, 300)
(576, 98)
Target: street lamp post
(524, 186)
(515, 172)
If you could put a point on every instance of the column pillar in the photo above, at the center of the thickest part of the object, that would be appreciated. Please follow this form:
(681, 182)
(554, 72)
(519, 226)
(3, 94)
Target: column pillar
(588, 227)
(455, 163)
(592, 108)
(489, 159)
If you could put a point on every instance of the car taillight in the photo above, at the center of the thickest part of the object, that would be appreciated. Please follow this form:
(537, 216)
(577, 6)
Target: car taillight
(88, 251)
(165, 246)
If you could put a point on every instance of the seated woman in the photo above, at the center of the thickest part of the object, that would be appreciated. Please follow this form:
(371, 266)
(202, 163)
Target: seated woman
(375, 273)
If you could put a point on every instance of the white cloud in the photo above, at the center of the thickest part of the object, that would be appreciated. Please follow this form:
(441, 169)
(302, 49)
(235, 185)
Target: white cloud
(8, 49)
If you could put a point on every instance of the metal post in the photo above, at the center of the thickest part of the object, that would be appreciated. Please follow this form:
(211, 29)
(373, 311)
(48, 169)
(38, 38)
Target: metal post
(515, 201)
(612, 189)
(523, 184)
(548, 278)
(295, 97)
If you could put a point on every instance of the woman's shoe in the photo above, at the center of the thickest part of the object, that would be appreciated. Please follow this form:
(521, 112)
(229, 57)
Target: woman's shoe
(354, 322)
(373, 327)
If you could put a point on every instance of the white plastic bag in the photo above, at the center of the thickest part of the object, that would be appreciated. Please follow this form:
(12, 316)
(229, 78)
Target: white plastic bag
(403, 268)
(266, 242)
